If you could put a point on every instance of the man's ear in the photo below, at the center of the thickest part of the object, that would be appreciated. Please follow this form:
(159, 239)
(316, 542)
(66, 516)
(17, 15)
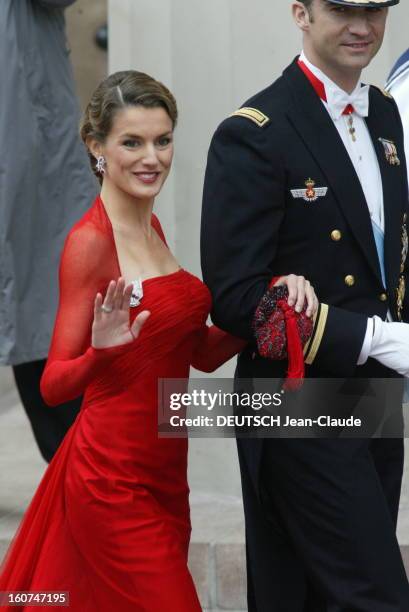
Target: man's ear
(301, 16)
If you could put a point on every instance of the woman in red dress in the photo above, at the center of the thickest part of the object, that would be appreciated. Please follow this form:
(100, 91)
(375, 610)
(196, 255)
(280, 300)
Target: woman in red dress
(109, 523)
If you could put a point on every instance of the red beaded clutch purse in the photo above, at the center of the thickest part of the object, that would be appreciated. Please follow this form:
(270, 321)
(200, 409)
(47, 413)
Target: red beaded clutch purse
(281, 332)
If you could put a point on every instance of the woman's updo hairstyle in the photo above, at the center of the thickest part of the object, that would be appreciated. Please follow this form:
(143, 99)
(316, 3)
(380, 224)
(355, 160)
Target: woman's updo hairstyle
(119, 90)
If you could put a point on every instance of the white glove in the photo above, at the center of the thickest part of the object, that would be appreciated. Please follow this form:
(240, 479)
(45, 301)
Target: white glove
(390, 345)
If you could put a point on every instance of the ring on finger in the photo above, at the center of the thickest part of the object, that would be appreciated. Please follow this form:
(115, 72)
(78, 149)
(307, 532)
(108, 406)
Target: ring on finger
(106, 309)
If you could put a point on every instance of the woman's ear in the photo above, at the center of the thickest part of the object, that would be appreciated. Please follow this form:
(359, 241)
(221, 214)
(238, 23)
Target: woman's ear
(94, 147)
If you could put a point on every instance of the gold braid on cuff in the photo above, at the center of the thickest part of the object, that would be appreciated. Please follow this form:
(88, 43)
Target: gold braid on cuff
(312, 346)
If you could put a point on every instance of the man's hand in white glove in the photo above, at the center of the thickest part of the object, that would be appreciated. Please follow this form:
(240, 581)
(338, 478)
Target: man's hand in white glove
(390, 345)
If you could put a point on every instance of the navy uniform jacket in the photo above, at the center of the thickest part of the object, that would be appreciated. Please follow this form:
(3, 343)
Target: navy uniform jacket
(253, 228)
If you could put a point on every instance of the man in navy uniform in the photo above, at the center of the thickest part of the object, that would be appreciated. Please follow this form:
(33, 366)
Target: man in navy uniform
(309, 178)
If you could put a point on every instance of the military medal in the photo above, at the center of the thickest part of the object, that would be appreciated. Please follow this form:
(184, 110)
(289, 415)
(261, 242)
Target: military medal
(311, 193)
(401, 290)
(351, 128)
(405, 243)
(400, 296)
(137, 293)
(391, 152)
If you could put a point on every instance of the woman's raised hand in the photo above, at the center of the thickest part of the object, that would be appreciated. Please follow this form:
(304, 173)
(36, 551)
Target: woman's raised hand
(111, 317)
(299, 290)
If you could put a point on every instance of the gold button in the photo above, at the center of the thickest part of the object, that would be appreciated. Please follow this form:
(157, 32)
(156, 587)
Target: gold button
(336, 235)
(383, 297)
(350, 280)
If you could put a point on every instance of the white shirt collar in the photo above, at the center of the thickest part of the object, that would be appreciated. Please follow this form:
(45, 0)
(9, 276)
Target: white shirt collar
(334, 93)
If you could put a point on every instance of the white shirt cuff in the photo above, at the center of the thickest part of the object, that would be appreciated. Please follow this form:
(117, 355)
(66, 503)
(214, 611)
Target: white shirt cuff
(366, 346)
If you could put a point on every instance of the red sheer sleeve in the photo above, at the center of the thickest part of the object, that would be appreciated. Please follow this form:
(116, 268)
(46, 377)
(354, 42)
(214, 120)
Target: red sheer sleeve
(214, 348)
(87, 266)
(157, 226)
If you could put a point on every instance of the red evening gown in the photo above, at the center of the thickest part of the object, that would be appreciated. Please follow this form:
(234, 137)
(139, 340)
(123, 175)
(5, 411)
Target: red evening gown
(109, 522)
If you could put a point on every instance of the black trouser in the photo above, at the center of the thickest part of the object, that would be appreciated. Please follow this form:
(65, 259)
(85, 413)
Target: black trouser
(323, 539)
(49, 424)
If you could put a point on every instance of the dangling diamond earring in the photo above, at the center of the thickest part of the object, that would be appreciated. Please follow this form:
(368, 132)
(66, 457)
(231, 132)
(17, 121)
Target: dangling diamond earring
(100, 167)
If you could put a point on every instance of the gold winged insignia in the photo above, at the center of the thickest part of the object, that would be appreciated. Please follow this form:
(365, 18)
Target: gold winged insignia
(311, 193)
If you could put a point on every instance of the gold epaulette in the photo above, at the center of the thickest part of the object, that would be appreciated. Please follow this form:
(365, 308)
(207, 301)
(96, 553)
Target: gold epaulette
(253, 114)
(312, 346)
